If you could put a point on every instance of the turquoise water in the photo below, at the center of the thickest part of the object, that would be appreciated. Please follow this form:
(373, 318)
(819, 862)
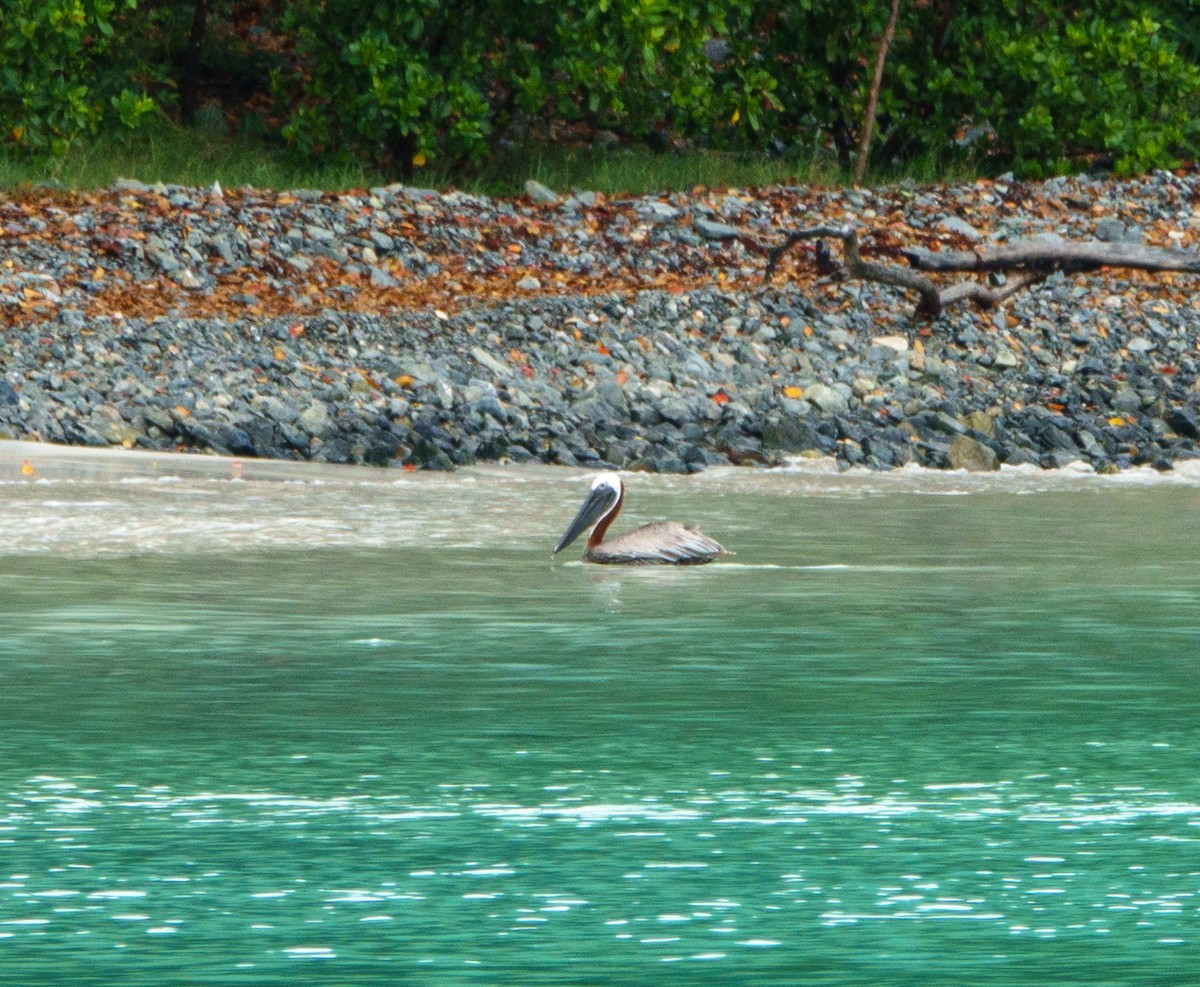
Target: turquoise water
(918, 731)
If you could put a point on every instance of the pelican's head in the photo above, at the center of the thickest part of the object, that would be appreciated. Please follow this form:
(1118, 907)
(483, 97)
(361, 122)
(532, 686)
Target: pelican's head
(604, 496)
(609, 481)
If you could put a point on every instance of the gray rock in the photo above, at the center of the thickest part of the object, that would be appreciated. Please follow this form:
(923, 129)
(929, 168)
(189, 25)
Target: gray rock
(382, 279)
(980, 421)
(444, 393)
(315, 419)
(936, 422)
(953, 224)
(482, 356)
(129, 185)
(1110, 229)
(161, 255)
(968, 454)
(791, 434)
(608, 389)
(1127, 399)
(120, 433)
(382, 241)
(828, 399)
(897, 344)
(540, 193)
(677, 410)
(1184, 421)
(1006, 359)
(223, 247)
(640, 377)
(714, 231)
(658, 212)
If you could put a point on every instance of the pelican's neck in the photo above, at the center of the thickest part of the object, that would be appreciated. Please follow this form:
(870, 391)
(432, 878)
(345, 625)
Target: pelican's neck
(597, 535)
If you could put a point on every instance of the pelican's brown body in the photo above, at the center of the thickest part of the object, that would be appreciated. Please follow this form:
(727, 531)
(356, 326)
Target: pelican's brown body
(660, 543)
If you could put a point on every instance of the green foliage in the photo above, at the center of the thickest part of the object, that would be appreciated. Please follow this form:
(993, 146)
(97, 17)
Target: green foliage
(818, 53)
(56, 82)
(1117, 86)
(1031, 85)
(1054, 85)
(388, 82)
(426, 80)
(637, 67)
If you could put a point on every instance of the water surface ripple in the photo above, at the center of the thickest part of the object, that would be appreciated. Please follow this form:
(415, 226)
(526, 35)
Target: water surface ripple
(354, 728)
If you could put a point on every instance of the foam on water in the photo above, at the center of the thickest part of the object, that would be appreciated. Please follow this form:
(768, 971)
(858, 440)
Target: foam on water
(86, 502)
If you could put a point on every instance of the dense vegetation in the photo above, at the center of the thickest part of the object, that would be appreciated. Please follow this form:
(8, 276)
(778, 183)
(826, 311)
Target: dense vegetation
(1035, 86)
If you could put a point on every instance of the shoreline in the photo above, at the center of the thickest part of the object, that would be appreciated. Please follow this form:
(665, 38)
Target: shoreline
(28, 464)
(408, 327)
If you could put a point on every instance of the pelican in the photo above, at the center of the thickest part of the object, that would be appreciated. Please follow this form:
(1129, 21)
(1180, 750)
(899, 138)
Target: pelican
(661, 543)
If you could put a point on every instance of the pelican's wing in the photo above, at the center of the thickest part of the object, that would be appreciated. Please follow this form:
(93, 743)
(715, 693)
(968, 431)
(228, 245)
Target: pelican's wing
(661, 543)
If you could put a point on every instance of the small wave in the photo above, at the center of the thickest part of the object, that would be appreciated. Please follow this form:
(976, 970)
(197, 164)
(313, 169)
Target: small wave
(758, 566)
(849, 567)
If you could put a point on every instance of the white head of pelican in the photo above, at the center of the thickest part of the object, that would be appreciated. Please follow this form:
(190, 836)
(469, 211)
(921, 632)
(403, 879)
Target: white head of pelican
(661, 543)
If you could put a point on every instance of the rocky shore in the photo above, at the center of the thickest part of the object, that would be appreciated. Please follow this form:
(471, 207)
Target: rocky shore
(406, 327)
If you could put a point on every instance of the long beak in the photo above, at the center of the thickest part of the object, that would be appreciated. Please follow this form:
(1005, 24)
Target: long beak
(595, 507)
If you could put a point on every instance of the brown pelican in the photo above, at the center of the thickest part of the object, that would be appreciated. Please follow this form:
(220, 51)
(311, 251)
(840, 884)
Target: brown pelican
(661, 543)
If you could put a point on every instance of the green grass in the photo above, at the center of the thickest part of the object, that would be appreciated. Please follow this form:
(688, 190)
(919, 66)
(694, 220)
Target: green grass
(164, 152)
(198, 156)
(639, 170)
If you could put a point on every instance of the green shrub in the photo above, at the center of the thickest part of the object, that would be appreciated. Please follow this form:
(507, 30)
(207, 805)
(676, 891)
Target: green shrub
(394, 83)
(55, 80)
(637, 67)
(1054, 84)
(425, 80)
(1095, 85)
(448, 83)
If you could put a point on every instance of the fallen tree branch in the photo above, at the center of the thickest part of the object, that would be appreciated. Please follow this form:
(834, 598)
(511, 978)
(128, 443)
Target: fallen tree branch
(1060, 255)
(930, 304)
(986, 297)
(1030, 261)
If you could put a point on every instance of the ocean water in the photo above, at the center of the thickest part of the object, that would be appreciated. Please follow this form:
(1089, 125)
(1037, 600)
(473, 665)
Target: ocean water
(279, 722)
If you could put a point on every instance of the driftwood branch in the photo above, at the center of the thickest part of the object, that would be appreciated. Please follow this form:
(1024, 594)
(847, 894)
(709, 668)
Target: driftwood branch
(1060, 255)
(930, 303)
(1030, 261)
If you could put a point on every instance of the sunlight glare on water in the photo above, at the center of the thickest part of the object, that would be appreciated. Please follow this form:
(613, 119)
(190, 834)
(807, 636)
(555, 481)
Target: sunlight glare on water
(359, 726)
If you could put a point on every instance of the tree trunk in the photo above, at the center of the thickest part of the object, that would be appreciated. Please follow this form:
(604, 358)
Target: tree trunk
(189, 82)
(868, 126)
